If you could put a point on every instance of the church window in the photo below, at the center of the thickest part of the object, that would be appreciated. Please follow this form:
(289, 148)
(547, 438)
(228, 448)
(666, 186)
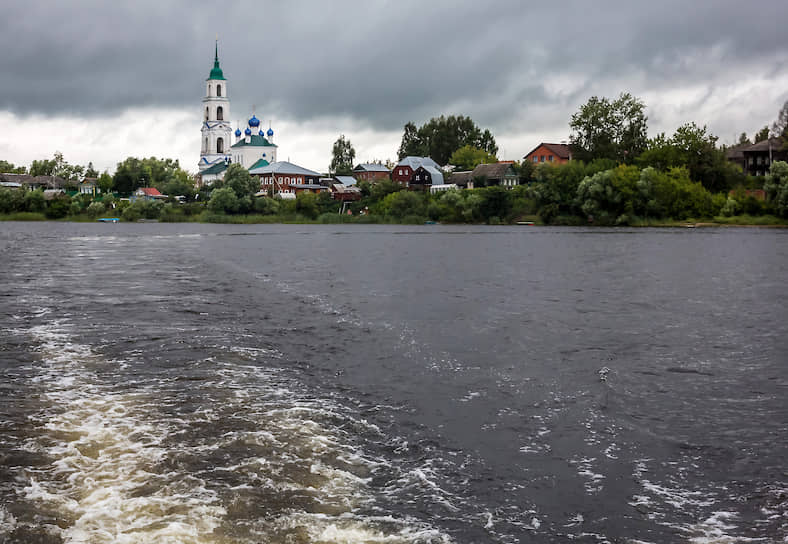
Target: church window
(206, 113)
(205, 147)
(219, 114)
(219, 145)
(218, 90)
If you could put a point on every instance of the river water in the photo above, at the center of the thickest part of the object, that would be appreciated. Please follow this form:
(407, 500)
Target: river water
(386, 384)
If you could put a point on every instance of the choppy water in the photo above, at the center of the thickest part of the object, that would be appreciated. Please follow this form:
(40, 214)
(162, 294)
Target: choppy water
(375, 384)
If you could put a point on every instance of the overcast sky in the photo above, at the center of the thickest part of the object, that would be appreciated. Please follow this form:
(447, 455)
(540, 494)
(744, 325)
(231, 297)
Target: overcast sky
(101, 80)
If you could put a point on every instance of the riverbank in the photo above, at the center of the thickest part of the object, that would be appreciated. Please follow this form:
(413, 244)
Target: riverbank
(332, 218)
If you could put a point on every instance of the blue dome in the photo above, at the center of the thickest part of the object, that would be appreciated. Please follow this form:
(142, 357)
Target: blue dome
(238, 133)
(254, 122)
(260, 132)
(248, 132)
(263, 154)
(270, 132)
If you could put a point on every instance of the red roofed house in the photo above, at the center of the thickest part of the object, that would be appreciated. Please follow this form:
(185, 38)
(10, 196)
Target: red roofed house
(147, 193)
(546, 152)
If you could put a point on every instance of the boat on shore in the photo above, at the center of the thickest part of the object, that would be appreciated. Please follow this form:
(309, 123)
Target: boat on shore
(108, 219)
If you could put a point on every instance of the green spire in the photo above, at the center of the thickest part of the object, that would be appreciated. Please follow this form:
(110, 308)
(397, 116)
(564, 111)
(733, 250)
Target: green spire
(216, 73)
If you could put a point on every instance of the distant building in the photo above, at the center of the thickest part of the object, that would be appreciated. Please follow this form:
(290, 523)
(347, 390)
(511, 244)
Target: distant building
(552, 153)
(250, 146)
(33, 182)
(499, 173)
(463, 180)
(758, 158)
(213, 173)
(147, 193)
(283, 177)
(345, 193)
(403, 171)
(371, 172)
(424, 177)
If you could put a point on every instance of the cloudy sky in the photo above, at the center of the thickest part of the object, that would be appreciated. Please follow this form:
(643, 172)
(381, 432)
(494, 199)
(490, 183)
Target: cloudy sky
(102, 80)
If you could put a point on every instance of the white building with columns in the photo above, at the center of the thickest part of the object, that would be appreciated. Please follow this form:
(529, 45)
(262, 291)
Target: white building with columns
(253, 147)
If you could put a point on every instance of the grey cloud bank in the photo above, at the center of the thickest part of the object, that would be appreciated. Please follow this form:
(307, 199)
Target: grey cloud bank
(381, 64)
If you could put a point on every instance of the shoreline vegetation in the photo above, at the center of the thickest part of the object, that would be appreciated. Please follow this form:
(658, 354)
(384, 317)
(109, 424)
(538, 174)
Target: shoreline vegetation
(766, 221)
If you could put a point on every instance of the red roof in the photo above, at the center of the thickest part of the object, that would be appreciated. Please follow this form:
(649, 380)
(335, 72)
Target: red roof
(562, 151)
(150, 191)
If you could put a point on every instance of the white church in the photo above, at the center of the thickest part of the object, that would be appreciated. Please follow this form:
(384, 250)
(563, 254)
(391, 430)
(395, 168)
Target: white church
(253, 148)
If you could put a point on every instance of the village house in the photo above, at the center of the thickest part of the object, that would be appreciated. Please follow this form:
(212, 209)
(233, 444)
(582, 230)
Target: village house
(371, 172)
(404, 170)
(287, 178)
(33, 182)
(499, 173)
(89, 186)
(552, 153)
(758, 158)
(463, 180)
(424, 177)
(147, 193)
(345, 193)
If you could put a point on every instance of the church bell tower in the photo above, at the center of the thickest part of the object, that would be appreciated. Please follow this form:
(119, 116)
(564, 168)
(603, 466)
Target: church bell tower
(216, 129)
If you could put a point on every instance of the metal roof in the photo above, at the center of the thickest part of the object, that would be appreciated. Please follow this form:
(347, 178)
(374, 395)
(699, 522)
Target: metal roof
(346, 180)
(371, 167)
(254, 140)
(415, 162)
(283, 167)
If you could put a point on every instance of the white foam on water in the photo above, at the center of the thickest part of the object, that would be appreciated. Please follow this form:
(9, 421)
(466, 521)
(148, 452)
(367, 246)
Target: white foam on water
(715, 530)
(104, 477)
(7, 522)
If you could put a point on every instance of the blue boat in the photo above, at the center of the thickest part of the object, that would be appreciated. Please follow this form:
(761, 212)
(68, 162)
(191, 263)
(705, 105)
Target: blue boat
(109, 220)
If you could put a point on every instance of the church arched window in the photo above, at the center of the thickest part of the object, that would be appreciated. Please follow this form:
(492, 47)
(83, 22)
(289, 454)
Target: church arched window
(218, 90)
(205, 146)
(219, 114)
(219, 145)
(206, 113)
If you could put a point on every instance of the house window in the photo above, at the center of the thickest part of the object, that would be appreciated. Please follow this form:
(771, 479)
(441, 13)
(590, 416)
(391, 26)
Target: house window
(219, 114)
(536, 159)
(218, 90)
(219, 145)
(550, 158)
(751, 161)
(400, 171)
(541, 158)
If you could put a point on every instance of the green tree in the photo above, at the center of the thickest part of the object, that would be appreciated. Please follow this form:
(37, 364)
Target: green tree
(468, 157)
(9, 168)
(776, 187)
(762, 135)
(134, 173)
(441, 136)
(58, 207)
(105, 182)
(609, 129)
(743, 139)
(609, 197)
(780, 126)
(223, 200)
(411, 145)
(306, 205)
(43, 167)
(343, 156)
(91, 172)
(238, 178)
(404, 203)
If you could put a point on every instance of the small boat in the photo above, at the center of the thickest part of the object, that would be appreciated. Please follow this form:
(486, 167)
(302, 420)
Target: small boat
(430, 222)
(525, 222)
(108, 219)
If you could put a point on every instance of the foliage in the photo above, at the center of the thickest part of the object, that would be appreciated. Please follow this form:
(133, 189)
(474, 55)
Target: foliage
(95, 209)
(223, 200)
(404, 203)
(693, 147)
(306, 205)
(133, 173)
(609, 129)
(9, 168)
(441, 136)
(266, 206)
(607, 197)
(776, 187)
(762, 135)
(58, 207)
(672, 194)
(468, 157)
(91, 172)
(57, 166)
(743, 139)
(104, 182)
(343, 156)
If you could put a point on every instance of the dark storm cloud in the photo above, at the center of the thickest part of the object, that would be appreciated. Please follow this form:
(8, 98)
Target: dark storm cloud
(380, 63)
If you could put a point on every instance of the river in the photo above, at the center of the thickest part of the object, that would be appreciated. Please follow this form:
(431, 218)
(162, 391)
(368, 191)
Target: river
(188, 383)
